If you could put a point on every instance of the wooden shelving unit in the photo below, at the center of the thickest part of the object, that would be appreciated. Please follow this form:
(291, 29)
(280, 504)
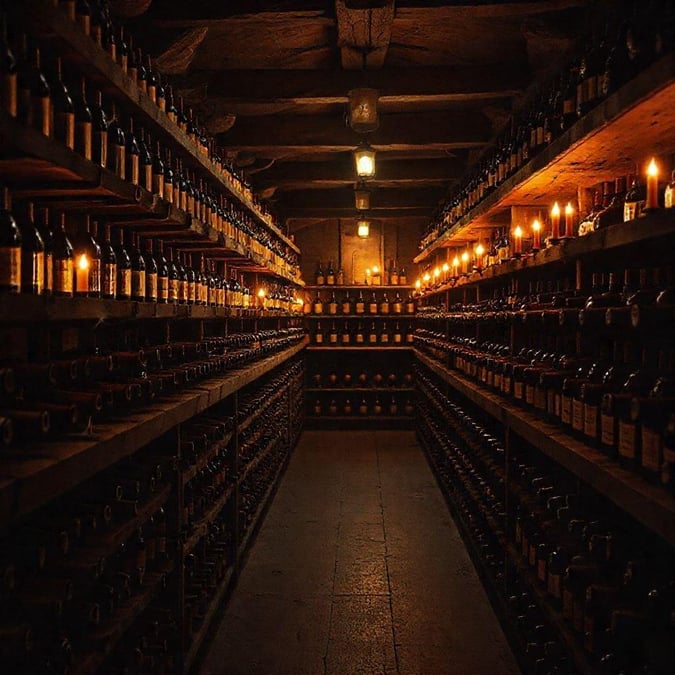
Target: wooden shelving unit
(614, 132)
(356, 348)
(648, 504)
(358, 287)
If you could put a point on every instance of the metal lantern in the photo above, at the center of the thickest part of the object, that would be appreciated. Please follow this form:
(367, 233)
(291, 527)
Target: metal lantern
(363, 109)
(362, 199)
(363, 228)
(364, 160)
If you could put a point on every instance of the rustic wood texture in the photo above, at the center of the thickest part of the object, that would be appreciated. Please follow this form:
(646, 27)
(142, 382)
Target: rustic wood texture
(364, 34)
(176, 59)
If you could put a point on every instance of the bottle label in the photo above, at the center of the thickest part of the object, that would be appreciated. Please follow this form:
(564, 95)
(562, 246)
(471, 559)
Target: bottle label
(490, 378)
(360, 307)
(590, 420)
(652, 449)
(577, 415)
(134, 169)
(109, 280)
(84, 139)
(397, 338)
(410, 308)
(163, 288)
(119, 161)
(124, 283)
(372, 338)
(168, 194)
(95, 276)
(65, 128)
(630, 210)
(37, 272)
(627, 439)
(333, 338)
(346, 308)
(539, 398)
(138, 284)
(63, 276)
(147, 177)
(566, 409)
(409, 338)
(384, 308)
(174, 286)
(384, 338)
(48, 274)
(10, 93)
(100, 141)
(10, 267)
(43, 115)
(318, 308)
(518, 390)
(498, 381)
(397, 307)
(158, 185)
(318, 338)
(320, 280)
(607, 430)
(359, 338)
(591, 88)
(345, 338)
(506, 384)
(529, 394)
(330, 280)
(372, 308)
(394, 280)
(332, 307)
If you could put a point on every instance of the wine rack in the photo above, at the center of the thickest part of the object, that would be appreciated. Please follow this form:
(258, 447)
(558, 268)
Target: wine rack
(541, 540)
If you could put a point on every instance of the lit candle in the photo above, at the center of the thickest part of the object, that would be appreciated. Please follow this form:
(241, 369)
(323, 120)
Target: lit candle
(446, 269)
(377, 279)
(480, 252)
(536, 235)
(555, 222)
(261, 298)
(569, 220)
(652, 186)
(418, 286)
(426, 278)
(518, 242)
(367, 276)
(82, 274)
(455, 267)
(465, 262)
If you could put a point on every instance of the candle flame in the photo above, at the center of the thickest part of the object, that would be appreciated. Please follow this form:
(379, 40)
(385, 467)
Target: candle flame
(536, 225)
(426, 276)
(480, 250)
(446, 267)
(455, 262)
(418, 284)
(555, 211)
(569, 209)
(518, 232)
(83, 262)
(465, 256)
(376, 269)
(261, 292)
(437, 272)
(652, 169)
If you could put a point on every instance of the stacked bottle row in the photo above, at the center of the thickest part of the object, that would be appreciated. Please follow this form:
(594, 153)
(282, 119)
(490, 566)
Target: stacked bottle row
(42, 94)
(599, 366)
(569, 568)
(73, 571)
(379, 333)
(365, 379)
(48, 256)
(358, 304)
(65, 396)
(393, 275)
(620, 44)
(362, 404)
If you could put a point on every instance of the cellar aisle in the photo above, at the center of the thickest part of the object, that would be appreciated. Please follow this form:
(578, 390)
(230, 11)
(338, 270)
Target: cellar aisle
(358, 568)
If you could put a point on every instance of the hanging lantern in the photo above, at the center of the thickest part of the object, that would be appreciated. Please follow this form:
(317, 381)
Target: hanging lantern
(362, 199)
(363, 109)
(363, 228)
(364, 160)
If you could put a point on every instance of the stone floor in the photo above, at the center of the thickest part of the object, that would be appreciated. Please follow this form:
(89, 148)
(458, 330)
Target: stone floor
(358, 568)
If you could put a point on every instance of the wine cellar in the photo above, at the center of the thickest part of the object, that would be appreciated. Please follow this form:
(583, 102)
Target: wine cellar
(337, 337)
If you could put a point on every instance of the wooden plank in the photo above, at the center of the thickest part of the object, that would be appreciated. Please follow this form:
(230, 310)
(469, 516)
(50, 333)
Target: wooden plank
(601, 145)
(36, 476)
(52, 25)
(649, 504)
(652, 227)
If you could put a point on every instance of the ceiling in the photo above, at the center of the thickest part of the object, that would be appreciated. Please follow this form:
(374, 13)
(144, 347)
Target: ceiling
(270, 79)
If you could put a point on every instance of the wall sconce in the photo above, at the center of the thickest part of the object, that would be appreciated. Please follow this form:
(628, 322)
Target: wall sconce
(364, 160)
(363, 228)
(363, 109)
(362, 199)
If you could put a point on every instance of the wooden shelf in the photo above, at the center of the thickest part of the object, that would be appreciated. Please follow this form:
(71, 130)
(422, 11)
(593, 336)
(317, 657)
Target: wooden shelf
(344, 390)
(649, 504)
(108, 635)
(657, 225)
(53, 25)
(358, 287)
(614, 133)
(203, 631)
(361, 317)
(32, 477)
(352, 348)
(252, 462)
(268, 402)
(46, 169)
(201, 527)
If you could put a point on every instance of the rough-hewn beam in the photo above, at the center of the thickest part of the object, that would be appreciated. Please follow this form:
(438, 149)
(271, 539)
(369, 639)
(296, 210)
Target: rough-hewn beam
(300, 223)
(316, 175)
(493, 8)
(439, 130)
(176, 59)
(245, 88)
(364, 34)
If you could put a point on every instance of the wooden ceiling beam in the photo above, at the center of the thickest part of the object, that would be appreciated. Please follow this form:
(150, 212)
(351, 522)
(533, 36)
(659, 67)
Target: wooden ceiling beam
(296, 224)
(436, 130)
(321, 87)
(316, 175)
(380, 213)
(364, 34)
(383, 199)
(493, 8)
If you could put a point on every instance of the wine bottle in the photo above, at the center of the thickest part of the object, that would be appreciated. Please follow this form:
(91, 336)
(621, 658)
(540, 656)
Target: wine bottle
(83, 123)
(83, 16)
(138, 283)
(158, 172)
(123, 284)
(133, 154)
(32, 254)
(99, 153)
(174, 278)
(319, 277)
(162, 274)
(63, 259)
(151, 273)
(9, 69)
(145, 161)
(10, 248)
(117, 143)
(346, 335)
(35, 102)
(64, 109)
